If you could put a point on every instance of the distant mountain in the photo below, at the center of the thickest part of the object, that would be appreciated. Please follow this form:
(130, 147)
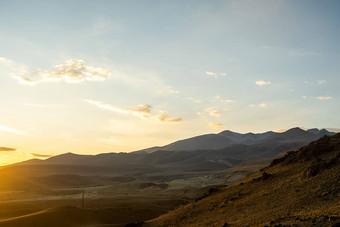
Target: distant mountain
(227, 138)
(202, 153)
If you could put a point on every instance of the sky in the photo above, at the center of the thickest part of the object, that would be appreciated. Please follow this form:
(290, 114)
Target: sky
(93, 77)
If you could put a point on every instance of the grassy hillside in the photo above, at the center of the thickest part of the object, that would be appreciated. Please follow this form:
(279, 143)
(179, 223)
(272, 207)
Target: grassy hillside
(300, 188)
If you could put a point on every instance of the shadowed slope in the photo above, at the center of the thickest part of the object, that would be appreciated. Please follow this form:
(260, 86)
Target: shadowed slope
(300, 188)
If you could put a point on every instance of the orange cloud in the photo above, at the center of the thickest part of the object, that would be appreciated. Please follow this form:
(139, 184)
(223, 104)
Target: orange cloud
(215, 126)
(261, 82)
(166, 118)
(7, 149)
(41, 155)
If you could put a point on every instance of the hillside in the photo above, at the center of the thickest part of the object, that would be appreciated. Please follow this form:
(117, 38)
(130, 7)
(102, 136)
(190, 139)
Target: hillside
(302, 188)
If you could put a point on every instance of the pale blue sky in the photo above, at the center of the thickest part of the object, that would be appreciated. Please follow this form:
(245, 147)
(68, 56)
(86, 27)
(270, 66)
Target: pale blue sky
(194, 60)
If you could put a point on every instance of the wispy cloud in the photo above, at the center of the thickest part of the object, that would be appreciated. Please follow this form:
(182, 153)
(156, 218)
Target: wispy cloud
(7, 149)
(321, 82)
(214, 74)
(213, 112)
(41, 155)
(164, 117)
(217, 98)
(200, 114)
(215, 126)
(319, 97)
(173, 91)
(195, 100)
(72, 71)
(261, 82)
(11, 130)
(211, 74)
(6, 61)
(141, 111)
(262, 105)
(324, 97)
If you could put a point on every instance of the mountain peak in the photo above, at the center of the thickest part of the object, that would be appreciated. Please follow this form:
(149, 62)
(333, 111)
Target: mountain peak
(295, 129)
(315, 131)
(229, 133)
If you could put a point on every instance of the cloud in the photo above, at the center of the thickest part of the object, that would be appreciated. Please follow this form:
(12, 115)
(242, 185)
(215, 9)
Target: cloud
(321, 82)
(261, 82)
(172, 91)
(215, 126)
(75, 71)
(319, 97)
(262, 105)
(141, 111)
(6, 61)
(215, 75)
(164, 117)
(212, 112)
(200, 114)
(41, 155)
(217, 98)
(72, 71)
(324, 97)
(194, 100)
(7, 149)
(12, 130)
(211, 74)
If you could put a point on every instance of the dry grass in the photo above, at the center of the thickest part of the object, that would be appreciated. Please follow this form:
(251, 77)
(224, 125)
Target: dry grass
(285, 195)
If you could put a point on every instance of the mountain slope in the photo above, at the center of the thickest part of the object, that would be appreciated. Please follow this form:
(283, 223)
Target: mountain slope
(302, 188)
(227, 138)
(200, 153)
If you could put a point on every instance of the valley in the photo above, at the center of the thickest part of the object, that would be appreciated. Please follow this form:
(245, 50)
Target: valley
(138, 186)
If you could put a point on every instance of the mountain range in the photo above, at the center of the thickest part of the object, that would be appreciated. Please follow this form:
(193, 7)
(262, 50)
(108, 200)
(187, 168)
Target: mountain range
(201, 153)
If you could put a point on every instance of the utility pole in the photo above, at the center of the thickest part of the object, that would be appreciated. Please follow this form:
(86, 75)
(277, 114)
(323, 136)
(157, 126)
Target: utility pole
(83, 199)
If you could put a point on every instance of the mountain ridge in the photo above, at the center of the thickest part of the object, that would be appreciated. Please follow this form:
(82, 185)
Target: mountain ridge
(220, 151)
